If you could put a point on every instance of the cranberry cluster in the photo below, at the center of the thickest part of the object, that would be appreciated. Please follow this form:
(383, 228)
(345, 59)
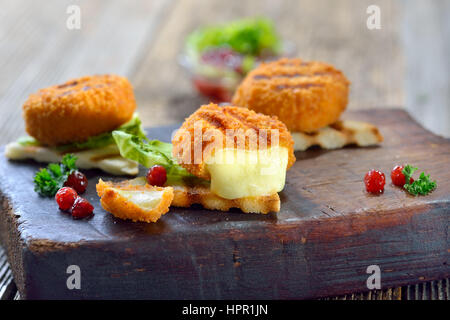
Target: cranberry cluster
(375, 180)
(68, 199)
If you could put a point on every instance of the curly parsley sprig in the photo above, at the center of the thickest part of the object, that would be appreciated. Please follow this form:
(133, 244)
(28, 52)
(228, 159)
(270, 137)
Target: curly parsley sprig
(48, 181)
(422, 186)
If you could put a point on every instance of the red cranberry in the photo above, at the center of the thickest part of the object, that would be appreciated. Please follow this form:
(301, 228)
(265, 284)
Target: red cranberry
(398, 178)
(81, 208)
(223, 57)
(65, 197)
(77, 181)
(157, 176)
(374, 181)
(212, 90)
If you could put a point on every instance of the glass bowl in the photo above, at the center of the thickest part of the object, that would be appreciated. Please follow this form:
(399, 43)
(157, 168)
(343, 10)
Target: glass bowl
(218, 83)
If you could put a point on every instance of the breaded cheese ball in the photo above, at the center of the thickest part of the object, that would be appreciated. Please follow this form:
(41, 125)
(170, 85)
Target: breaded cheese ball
(215, 120)
(306, 96)
(78, 109)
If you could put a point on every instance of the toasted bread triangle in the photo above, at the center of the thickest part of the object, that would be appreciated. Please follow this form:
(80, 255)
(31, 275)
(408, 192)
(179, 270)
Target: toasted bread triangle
(338, 135)
(186, 196)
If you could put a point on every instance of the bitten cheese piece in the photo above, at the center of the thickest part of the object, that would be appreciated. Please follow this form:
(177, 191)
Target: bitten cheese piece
(237, 173)
(135, 202)
(260, 148)
(107, 159)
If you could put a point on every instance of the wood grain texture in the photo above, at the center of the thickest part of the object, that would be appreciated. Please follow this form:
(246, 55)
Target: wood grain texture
(327, 232)
(402, 63)
(332, 31)
(142, 40)
(426, 37)
(7, 286)
(432, 290)
(38, 50)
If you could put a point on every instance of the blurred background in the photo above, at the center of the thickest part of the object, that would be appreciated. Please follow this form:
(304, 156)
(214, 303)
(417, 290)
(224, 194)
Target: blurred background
(404, 64)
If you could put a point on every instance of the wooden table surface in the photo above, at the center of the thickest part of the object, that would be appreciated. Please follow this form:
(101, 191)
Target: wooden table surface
(404, 64)
(143, 39)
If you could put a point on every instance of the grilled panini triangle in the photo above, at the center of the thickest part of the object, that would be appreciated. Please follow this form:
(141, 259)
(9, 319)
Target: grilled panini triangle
(186, 196)
(338, 135)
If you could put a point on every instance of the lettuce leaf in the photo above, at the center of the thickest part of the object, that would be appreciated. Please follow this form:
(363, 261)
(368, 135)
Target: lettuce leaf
(27, 141)
(134, 126)
(150, 153)
(247, 36)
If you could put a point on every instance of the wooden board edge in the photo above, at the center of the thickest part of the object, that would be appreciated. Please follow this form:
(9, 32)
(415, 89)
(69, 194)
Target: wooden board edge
(12, 241)
(240, 265)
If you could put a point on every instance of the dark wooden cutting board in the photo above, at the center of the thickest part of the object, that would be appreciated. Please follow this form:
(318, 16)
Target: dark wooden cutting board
(329, 230)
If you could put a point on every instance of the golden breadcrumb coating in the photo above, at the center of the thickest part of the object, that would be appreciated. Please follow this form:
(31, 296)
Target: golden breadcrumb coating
(122, 207)
(214, 121)
(78, 109)
(306, 96)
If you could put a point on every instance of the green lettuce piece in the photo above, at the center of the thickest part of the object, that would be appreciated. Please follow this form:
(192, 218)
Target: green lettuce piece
(133, 126)
(248, 63)
(27, 141)
(247, 36)
(150, 153)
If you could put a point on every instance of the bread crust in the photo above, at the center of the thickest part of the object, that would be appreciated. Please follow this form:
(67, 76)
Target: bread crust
(186, 196)
(306, 96)
(212, 122)
(78, 109)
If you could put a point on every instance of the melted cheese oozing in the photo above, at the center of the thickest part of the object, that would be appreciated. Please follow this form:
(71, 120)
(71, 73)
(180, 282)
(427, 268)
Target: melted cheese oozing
(242, 173)
(147, 200)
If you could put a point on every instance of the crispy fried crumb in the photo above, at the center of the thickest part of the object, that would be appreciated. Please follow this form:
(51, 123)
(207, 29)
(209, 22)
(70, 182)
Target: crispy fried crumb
(78, 109)
(306, 96)
(214, 121)
(123, 208)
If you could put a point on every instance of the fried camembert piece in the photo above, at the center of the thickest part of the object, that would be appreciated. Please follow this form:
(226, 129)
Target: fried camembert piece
(79, 116)
(243, 153)
(306, 96)
(309, 98)
(78, 109)
(137, 202)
